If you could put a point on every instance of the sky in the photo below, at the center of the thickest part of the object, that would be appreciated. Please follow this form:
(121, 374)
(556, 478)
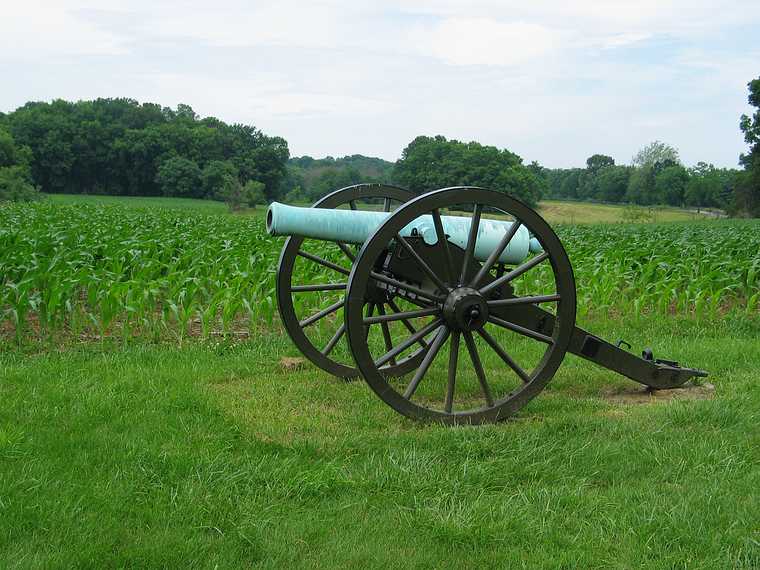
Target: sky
(551, 81)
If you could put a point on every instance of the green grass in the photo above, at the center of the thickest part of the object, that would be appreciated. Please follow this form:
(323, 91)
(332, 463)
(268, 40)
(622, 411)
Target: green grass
(554, 211)
(212, 456)
(142, 202)
(557, 211)
(151, 450)
(156, 272)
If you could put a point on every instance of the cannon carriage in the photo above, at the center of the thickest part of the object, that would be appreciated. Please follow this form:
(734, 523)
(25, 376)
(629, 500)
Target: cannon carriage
(458, 305)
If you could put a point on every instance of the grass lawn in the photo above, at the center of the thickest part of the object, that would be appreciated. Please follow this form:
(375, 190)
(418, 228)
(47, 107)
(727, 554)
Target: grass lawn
(556, 211)
(213, 456)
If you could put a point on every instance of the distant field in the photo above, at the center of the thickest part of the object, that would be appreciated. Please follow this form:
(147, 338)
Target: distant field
(554, 211)
(204, 206)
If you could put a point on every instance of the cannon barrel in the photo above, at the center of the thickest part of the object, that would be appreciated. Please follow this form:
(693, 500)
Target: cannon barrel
(356, 226)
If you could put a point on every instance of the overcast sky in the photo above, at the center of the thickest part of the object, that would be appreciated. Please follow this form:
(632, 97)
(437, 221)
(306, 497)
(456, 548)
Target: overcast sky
(552, 81)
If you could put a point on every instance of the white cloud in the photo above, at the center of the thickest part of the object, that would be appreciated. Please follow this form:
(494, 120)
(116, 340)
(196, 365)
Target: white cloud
(35, 28)
(285, 23)
(553, 81)
(482, 41)
(620, 40)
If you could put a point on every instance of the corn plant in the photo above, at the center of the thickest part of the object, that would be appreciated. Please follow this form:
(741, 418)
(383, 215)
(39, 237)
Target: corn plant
(109, 270)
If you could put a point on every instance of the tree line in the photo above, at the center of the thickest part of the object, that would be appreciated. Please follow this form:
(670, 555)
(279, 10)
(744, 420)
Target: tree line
(655, 176)
(308, 179)
(120, 146)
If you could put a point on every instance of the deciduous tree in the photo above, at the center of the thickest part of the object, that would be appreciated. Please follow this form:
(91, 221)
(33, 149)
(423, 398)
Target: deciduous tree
(179, 176)
(428, 163)
(748, 188)
(655, 152)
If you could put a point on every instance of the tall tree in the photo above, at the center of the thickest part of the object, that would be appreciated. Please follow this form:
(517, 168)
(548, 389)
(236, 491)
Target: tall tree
(179, 176)
(709, 186)
(15, 175)
(217, 178)
(641, 186)
(654, 153)
(670, 185)
(428, 163)
(117, 146)
(596, 162)
(748, 189)
(612, 183)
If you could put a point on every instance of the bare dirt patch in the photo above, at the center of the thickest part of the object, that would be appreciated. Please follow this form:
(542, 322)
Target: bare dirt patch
(291, 363)
(636, 395)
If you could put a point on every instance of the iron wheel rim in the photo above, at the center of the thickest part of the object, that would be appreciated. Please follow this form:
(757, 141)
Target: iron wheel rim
(284, 283)
(561, 334)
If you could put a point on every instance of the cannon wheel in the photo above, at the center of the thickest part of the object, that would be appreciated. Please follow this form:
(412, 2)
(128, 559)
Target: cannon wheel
(456, 284)
(288, 285)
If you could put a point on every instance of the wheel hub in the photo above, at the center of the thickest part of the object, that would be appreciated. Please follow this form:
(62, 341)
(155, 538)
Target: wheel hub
(465, 309)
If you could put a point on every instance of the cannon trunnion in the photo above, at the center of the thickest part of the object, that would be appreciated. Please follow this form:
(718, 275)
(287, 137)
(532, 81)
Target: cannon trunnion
(457, 266)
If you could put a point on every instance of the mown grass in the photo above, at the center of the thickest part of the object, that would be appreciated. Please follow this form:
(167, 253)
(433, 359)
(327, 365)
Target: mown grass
(562, 212)
(214, 456)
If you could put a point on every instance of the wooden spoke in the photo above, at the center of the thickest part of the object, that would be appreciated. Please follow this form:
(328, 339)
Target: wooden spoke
(318, 287)
(405, 286)
(330, 270)
(435, 346)
(453, 356)
(408, 342)
(401, 315)
(386, 333)
(344, 248)
(370, 310)
(323, 262)
(422, 263)
(321, 314)
(445, 382)
(394, 307)
(516, 272)
(495, 254)
(521, 330)
(504, 356)
(523, 300)
(334, 340)
(444, 243)
(471, 239)
(418, 301)
(478, 366)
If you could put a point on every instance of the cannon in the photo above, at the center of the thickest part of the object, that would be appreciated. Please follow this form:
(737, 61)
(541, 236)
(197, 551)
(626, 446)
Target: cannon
(412, 274)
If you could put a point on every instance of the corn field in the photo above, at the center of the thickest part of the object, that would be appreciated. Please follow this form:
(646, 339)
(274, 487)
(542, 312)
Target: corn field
(89, 270)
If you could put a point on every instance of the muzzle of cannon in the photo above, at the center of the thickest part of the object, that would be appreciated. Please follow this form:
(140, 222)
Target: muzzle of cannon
(418, 277)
